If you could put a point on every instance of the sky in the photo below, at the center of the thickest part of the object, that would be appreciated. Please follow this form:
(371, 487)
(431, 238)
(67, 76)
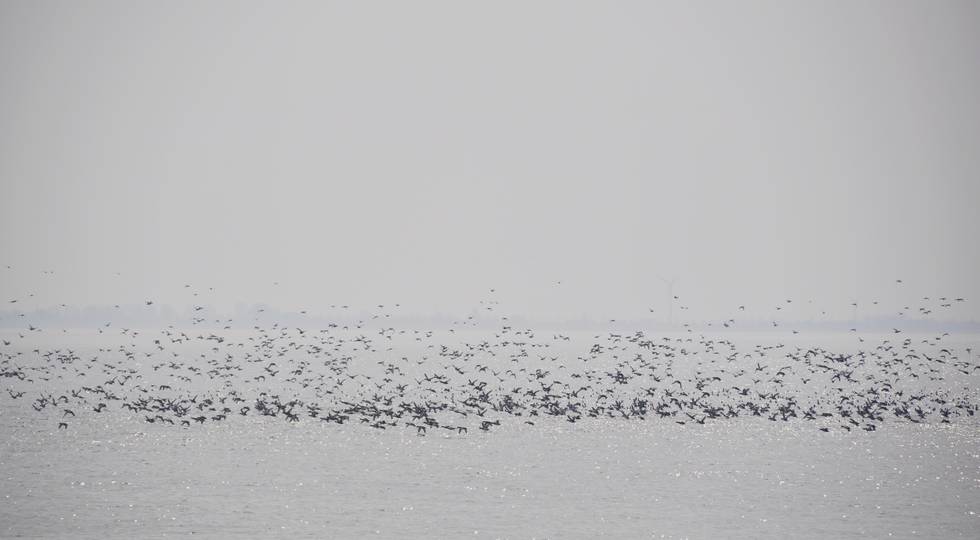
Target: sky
(567, 155)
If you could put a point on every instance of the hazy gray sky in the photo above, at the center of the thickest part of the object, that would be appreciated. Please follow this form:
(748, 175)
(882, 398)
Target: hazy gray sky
(424, 152)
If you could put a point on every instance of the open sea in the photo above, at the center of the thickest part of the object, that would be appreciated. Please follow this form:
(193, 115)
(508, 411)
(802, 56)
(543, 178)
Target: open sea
(116, 474)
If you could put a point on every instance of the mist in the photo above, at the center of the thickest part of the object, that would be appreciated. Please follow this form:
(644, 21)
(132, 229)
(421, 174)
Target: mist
(570, 156)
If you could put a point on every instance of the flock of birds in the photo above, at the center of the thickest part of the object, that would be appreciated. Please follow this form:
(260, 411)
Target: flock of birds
(459, 380)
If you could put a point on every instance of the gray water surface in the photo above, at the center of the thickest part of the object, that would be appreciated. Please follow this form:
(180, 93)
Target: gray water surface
(124, 473)
(257, 478)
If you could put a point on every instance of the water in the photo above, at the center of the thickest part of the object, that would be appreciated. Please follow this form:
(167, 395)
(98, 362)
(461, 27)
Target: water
(618, 479)
(113, 474)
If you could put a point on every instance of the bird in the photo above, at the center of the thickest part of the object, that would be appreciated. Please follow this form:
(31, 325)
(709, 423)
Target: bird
(285, 368)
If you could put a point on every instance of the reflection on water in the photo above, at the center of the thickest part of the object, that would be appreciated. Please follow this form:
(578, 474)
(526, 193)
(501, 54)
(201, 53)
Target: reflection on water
(257, 477)
(584, 468)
